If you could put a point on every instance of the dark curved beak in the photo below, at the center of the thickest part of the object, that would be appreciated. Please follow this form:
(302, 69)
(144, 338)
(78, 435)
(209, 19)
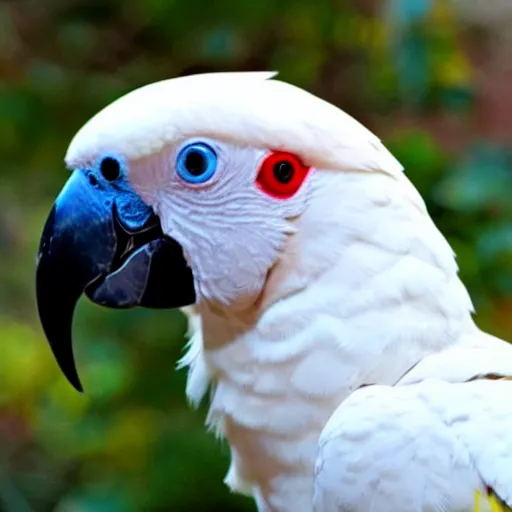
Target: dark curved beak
(86, 247)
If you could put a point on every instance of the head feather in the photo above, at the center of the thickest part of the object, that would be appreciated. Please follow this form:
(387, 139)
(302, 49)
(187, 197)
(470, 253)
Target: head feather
(243, 108)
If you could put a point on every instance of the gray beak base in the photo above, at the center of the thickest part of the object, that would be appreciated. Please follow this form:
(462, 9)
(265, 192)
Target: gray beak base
(85, 248)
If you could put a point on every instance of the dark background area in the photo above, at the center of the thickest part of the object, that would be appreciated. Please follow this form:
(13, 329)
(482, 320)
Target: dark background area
(432, 78)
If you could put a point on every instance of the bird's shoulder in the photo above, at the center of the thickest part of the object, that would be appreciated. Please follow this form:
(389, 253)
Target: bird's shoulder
(440, 439)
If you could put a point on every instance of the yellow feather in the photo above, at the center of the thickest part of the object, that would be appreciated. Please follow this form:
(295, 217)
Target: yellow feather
(489, 503)
(477, 508)
(497, 506)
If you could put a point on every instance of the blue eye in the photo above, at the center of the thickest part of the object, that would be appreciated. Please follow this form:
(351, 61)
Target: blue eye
(196, 163)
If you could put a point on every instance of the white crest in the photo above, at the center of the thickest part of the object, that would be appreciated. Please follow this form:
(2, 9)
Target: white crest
(241, 108)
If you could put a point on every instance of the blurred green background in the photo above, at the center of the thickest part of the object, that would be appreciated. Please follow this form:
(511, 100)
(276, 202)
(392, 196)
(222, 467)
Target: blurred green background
(432, 78)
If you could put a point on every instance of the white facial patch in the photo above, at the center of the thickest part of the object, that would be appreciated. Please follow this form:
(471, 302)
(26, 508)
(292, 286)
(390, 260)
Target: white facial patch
(230, 230)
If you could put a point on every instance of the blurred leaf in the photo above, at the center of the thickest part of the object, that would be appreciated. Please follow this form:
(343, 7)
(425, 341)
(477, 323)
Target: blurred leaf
(496, 241)
(96, 501)
(482, 180)
(11, 498)
(406, 12)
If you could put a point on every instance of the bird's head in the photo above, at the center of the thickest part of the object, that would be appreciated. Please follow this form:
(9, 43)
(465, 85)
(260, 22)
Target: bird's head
(190, 190)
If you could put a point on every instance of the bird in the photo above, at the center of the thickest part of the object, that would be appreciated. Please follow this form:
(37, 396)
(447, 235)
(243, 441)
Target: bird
(331, 331)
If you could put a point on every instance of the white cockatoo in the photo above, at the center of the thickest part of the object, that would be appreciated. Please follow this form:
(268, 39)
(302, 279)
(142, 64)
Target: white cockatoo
(332, 330)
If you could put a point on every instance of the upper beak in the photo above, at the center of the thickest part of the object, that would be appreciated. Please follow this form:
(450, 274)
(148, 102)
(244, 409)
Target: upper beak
(86, 247)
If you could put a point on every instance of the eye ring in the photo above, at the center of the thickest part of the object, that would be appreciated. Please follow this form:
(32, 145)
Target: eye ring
(196, 163)
(281, 174)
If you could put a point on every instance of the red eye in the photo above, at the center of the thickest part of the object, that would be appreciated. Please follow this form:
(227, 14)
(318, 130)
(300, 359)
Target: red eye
(281, 175)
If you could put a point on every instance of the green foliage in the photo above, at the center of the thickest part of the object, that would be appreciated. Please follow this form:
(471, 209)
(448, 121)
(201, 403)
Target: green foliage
(131, 443)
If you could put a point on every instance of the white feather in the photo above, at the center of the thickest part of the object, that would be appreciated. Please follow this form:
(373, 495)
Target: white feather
(365, 289)
(420, 448)
(240, 108)
(301, 302)
(199, 377)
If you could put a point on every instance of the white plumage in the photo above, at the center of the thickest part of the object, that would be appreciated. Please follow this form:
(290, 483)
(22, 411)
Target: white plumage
(345, 369)
(428, 447)
(242, 108)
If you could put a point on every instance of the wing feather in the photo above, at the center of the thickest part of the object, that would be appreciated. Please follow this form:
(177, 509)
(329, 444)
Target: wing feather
(427, 446)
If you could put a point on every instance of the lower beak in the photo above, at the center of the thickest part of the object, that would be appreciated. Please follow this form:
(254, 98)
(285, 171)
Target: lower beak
(85, 248)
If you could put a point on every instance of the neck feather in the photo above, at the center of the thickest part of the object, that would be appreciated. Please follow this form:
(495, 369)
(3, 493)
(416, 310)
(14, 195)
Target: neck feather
(364, 290)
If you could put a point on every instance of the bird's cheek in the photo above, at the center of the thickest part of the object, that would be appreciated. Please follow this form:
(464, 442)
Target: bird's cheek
(233, 271)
